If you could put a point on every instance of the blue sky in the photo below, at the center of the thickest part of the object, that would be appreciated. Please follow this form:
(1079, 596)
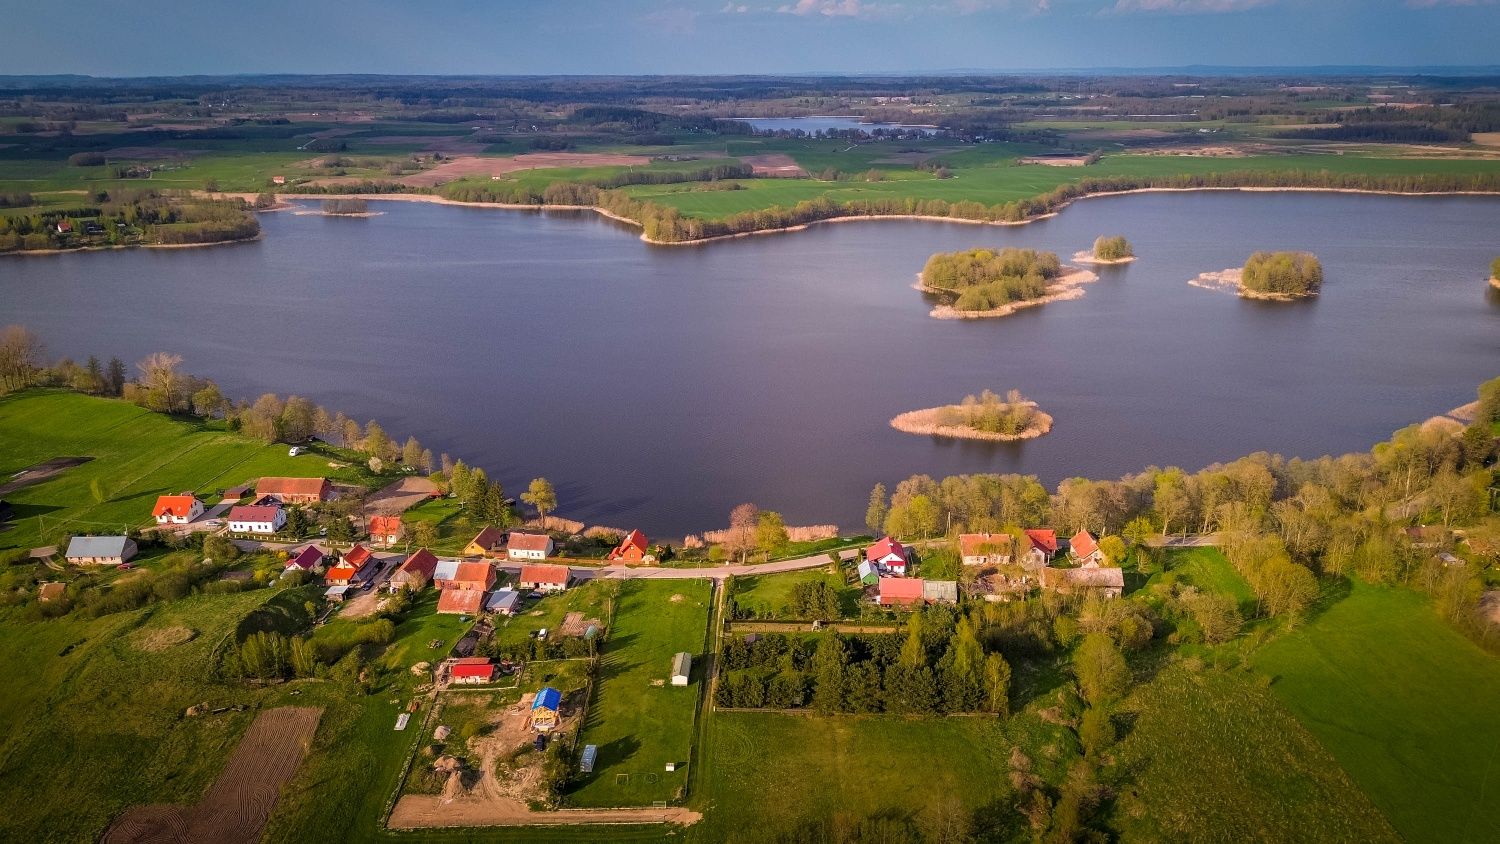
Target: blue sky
(151, 37)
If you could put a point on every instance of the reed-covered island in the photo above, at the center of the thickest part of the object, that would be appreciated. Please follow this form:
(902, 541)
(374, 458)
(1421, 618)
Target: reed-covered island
(991, 283)
(1108, 249)
(986, 416)
(1270, 276)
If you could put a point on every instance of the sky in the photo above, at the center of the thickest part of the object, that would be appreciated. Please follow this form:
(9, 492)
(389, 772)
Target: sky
(154, 37)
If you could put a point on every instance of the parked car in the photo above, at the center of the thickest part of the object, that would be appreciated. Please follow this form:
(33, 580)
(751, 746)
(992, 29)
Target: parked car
(294, 451)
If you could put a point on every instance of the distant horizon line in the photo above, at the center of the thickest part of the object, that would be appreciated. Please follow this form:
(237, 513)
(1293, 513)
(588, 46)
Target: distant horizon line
(1142, 70)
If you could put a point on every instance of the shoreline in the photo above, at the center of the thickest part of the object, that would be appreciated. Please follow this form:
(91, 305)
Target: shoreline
(1085, 256)
(1068, 285)
(921, 422)
(1228, 281)
(259, 236)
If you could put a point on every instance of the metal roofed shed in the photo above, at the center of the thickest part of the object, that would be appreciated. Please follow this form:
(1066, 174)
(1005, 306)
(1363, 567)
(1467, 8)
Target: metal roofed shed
(682, 668)
(589, 757)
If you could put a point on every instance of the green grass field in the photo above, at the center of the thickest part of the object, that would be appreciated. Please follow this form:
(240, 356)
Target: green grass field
(638, 724)
(1214, 756)
(770, 596)
(1405, 704)
(592, 598)
(1207, 569)
(136, 456)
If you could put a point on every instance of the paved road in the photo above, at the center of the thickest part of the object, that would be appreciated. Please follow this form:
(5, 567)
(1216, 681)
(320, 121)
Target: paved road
(1192, 540)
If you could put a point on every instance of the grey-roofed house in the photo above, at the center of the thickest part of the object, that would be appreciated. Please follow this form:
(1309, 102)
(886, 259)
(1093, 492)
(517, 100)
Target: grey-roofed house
(940, 591)
(100, 550)
(503, 601)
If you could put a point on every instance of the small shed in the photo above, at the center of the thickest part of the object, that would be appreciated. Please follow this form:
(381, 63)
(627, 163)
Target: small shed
(589, 757)
(503, 602)
(868, 575)
(336, 594)
(682, 668)
(940, 591)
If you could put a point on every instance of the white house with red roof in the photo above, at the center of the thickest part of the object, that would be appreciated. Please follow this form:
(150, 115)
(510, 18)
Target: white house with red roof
(901, 591)
(177, 509)
(307, 559)
(256, 518)
(472, 669)
(544, 578)
(888, 557)
(353, 567)
(529, 546)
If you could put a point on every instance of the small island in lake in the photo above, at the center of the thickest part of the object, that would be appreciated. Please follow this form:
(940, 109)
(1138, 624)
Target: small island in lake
(1107, 250)
(989, 283)
(1272, 276)
(983, 417)
(355, 207)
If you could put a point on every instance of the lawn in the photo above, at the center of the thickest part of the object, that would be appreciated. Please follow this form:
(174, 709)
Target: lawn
(769, 596)
(640, 722)
(592, 598)
(1212, 755)
(1405, 704)
(137, 455)
(1207, 569)
(764, 773)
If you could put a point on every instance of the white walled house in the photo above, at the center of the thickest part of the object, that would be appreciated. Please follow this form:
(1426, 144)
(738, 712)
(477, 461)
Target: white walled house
(257, 518)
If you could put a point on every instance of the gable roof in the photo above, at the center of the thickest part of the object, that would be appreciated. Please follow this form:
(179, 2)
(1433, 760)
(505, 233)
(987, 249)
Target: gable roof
(384, 525)
(544, 574)
(1083, 544)
(467, 601)
(445, 570)
(480, 573)
(1043, 539)
(1095, 578)
(254, 513)
(422, 562)
(529, 541)
(340, 572)
(291, 486)
(634, 539)
(306, 559)
(502, 600)
(472, 667)
(885, 547)
(490, 537)
(940, 590)
(547, 698)
(901, 588)
(174, 505)
(356, 557)
(980, 544)
(96, 546)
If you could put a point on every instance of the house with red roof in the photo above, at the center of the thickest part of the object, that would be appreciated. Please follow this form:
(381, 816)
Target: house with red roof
(472, 669)
(544, 578)
(1085, 550)
(307, 559)
(177, 509)
(256, 518)
(888, 557)
(468, 577)
(1043, 548)
(294, 490)
(529, 546)
(385, 529)
(353, 567)
(414, 573)
(460, 601)
(487, 543)
(632, 549)
(900, 592)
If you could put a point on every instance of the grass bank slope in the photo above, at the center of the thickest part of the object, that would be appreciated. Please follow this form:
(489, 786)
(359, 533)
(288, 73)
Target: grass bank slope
(1405, 704)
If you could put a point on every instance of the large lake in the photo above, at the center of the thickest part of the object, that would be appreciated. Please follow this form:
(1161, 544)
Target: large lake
(660, 386)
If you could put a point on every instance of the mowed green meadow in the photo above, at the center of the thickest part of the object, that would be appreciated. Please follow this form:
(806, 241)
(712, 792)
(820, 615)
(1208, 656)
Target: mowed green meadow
(639, 721)
(1406, 705)
(135, 454)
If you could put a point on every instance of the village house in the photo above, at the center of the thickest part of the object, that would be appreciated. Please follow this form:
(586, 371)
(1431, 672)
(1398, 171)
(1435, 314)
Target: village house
(460, 601)
(385, 530)
(546, 709)
(464, 576)
(900, 591)
(353, 567)
(503, 602)
(1043, 543)
(487, 543)
(414, 573)
(544, 578)
(256, 518)
(888, 557)
(278, 180)
(100, 550)
(307, 559)
(632, 549)
(177, 509)
(682, 668)
(529, 546)
(472, 669)
(294, 490)
(1085, 550)
(985, 549)
(1109, 582)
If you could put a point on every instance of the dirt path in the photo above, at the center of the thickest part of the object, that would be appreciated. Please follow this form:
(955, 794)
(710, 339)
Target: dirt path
(41, 472)
(426, 811)
(399, 496)
(239, 803)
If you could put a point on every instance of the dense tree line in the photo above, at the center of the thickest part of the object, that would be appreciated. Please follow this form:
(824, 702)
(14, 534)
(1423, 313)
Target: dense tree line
(985, 278)
(1283, 273)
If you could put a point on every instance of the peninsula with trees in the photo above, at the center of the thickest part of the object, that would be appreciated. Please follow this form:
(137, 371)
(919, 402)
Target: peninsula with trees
(1270, 276)
(1107, 250)
(986, 416)
(980, 283)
